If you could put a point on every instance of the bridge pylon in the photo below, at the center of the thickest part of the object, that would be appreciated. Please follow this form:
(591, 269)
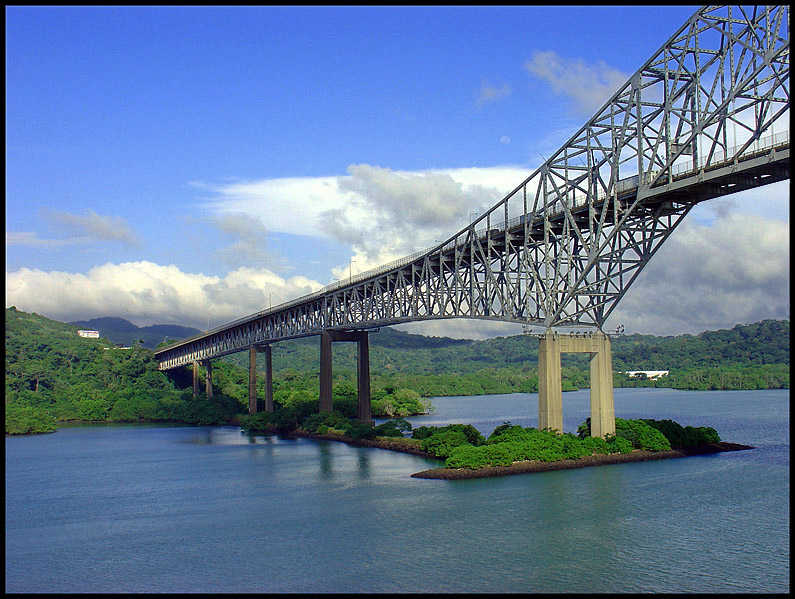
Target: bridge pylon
(550, 396)
(362, 371)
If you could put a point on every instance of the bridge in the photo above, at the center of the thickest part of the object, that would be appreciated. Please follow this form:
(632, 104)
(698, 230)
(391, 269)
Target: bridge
(706, 116)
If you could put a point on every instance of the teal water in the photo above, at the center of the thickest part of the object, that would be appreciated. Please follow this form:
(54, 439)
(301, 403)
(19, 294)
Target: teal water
(170, 509)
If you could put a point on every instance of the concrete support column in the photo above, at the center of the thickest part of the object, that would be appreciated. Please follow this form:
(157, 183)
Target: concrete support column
(268, 377)
(550, 394)
(363, 378)
(208, 379)
(252, 380)
(325, 372)
(195, 380)
(603, 417)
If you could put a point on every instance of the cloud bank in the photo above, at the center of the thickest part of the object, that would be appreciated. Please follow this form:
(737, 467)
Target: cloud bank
(146, 293)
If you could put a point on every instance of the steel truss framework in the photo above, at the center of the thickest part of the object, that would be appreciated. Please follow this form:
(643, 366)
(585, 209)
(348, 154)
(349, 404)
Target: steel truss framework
(706, 116)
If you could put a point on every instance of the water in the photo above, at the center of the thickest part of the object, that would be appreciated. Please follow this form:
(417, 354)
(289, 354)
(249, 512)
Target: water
(170, 509)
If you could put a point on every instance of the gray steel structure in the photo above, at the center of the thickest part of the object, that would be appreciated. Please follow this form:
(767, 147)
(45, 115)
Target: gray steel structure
(706, 116)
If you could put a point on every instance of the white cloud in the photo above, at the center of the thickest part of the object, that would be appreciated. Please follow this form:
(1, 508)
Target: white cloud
(709, 277)
(588, 85)
(383, 214)
(147, 293)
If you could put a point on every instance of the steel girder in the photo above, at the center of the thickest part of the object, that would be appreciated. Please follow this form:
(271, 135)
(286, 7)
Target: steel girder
(706, 116)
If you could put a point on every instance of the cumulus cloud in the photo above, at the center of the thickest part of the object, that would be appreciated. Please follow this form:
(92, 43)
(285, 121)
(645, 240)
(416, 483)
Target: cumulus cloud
(588, 85)
(146, 293)
(383, 214)
(710, 277)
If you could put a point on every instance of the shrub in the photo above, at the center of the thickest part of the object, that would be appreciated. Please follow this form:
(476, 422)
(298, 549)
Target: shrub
(573, 447)
(472, 434)
(467, 456)
(618, 444)
(358, 430)
(500, 454)
(21, 420)
(442, 443)
(393, 428)
(595, 445)
(641, 435)
(261, 421)
(687, 436)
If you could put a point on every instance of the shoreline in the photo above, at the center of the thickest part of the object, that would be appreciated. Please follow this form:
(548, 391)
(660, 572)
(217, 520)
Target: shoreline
(527, 467)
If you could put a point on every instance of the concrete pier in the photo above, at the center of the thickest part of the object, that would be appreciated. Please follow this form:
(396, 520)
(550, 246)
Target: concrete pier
(268, 377)
(550, 396)
(364, 410)
(325, 372)
(252, 380)
(195, 380)
(208, 378)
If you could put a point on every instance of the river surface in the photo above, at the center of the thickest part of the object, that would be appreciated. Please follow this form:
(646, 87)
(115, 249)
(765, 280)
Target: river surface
(162, 509)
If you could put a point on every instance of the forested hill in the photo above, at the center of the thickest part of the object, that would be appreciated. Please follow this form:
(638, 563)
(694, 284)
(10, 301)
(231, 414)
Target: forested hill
(122, 332)
(764, 342)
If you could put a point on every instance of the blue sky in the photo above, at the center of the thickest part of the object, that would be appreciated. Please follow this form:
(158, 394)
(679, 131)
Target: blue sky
(192, 165)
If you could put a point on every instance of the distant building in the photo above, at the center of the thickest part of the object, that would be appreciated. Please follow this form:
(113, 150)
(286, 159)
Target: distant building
(90, 334)
(650, 374)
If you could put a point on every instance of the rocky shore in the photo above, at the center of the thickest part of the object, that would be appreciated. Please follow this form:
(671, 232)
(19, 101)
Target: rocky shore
(530, 466)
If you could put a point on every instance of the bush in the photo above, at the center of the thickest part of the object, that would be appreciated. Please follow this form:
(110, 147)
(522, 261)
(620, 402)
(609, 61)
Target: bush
(595, 445)
(467, 456)
(684, 436)
(441, 444)
(393, 428)
(472, 434)
(618, 444)
(500, 454)
(22, 420)
(261, 421)
(358, 430)
(573, 447)
(641, 435)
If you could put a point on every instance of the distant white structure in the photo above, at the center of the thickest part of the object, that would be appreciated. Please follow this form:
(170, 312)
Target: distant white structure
(90, 334)
(650, 374)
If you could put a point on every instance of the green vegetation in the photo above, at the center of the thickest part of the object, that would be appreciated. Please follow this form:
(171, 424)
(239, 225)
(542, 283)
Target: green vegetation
(53, 375)
(512, 443)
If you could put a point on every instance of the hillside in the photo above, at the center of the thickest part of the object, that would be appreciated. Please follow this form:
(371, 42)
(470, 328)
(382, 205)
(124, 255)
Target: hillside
(54, 374)
(124, 333)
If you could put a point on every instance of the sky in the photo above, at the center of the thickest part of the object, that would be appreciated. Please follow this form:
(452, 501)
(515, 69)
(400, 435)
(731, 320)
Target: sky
(194, 165)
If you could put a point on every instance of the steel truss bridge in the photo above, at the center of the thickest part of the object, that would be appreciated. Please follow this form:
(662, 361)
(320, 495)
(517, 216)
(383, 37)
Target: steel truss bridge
(706, 116)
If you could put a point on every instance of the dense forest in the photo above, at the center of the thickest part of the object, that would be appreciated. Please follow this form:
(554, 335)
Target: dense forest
(53, 375)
